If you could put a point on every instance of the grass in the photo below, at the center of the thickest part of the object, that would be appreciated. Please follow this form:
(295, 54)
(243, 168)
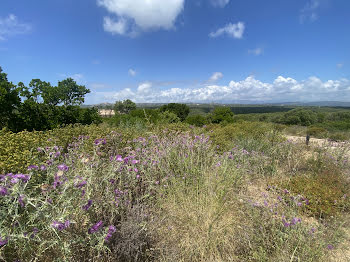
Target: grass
(173, 193)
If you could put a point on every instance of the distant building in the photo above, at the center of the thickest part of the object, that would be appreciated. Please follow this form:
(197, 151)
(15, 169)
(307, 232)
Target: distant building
(106, 112)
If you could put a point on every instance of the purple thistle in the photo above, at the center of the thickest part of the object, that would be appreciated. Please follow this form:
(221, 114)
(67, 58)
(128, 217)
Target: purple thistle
(88, 205)
(95, 227)
(60, 226)
(62, 167)
(33, 167)
(119, 158)
(20, 200)
(24, 178)
(3, 241)
(111, 230)
(43, 167)
(3, 191)
(330, 247)
(81, 184)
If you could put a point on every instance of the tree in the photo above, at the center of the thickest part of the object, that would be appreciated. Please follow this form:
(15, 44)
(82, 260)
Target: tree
(181, 110)
(221, 114)
(124, 107)
(9, 101)
(71, 93)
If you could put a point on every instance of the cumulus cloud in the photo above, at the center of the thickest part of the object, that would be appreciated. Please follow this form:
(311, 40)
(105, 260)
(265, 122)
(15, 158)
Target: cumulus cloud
(310, 11)
(132, 17)
(10, 26)
(282, 89)
(256, 51)
(216, 76)
(232, 30)
(219, 3)
(132, 72)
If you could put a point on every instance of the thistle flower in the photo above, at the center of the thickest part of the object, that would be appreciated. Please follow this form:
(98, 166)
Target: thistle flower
(60, 226)
(81, 184)
(330, 247)
(95, 227)
(3, 241)
(20, 200)
(88, 205)
(119, 158)
(43, 168)
(111, 230)
(3, 191)
(33, 167)
(62, 167)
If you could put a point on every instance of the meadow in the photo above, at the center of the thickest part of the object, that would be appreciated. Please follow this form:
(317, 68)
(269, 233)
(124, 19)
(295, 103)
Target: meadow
(172, 192)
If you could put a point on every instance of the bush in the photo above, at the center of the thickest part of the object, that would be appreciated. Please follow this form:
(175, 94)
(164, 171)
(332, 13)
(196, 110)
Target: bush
(197, 120)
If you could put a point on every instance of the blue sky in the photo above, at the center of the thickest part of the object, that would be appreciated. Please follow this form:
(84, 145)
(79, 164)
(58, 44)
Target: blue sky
(182, 50)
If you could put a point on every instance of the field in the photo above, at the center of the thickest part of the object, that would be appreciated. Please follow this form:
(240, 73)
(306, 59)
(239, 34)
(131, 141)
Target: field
(174, 192)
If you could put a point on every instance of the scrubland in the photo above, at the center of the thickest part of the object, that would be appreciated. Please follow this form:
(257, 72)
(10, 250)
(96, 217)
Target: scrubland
(240, 192)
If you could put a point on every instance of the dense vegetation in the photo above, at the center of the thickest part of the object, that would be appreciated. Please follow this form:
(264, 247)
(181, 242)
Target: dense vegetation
(42, 106)
(171, 192)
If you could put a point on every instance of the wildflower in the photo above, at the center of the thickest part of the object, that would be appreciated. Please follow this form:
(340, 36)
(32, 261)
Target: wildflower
(20, 200)
(32, 167)
(60, 226)
(35, 231)
(81, 184)
(95, 227)
(279, 198)
(24, 178)
(285, 223)
(138, 176)
(43, 168)
(88, 205)
(62, 167)
(295, 220)
(135, 161)
(299, 204)
(111, 230)
(136, 170)
(119, 158)
(157, 182)
(3, 241)
(330, 247)
(3, 191)
(313, 230)
(14, 180)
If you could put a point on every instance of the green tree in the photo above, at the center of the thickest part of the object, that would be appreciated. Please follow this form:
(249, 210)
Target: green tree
(71, 93)
(124, 107)
(181, 110)
(221, 114)
(9, 101)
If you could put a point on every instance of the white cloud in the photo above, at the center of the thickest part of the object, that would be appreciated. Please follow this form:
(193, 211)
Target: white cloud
(219, 3)
(10, 26)
(256, 51)
(135, 16)
(232, 30)
(310, 11)
(79, 78)
(132, 72)
(282, 89)
(216, 76)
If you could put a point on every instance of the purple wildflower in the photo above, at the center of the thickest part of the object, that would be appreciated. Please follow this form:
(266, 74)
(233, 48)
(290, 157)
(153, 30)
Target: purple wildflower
(95, 227)
(33, 167)
(43, 168)
(3, 191)
(35, 231)
(111, 230)
(60, 226)
(20, 200)
(3, 241)
(119, 158)
(88, 205)
(24, 178)
(62, 167)
(134, 161)
(330, 247)
(14, 180)
(81, 184)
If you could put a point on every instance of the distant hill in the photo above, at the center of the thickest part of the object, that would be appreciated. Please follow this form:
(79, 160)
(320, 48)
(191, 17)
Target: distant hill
(238, 103)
